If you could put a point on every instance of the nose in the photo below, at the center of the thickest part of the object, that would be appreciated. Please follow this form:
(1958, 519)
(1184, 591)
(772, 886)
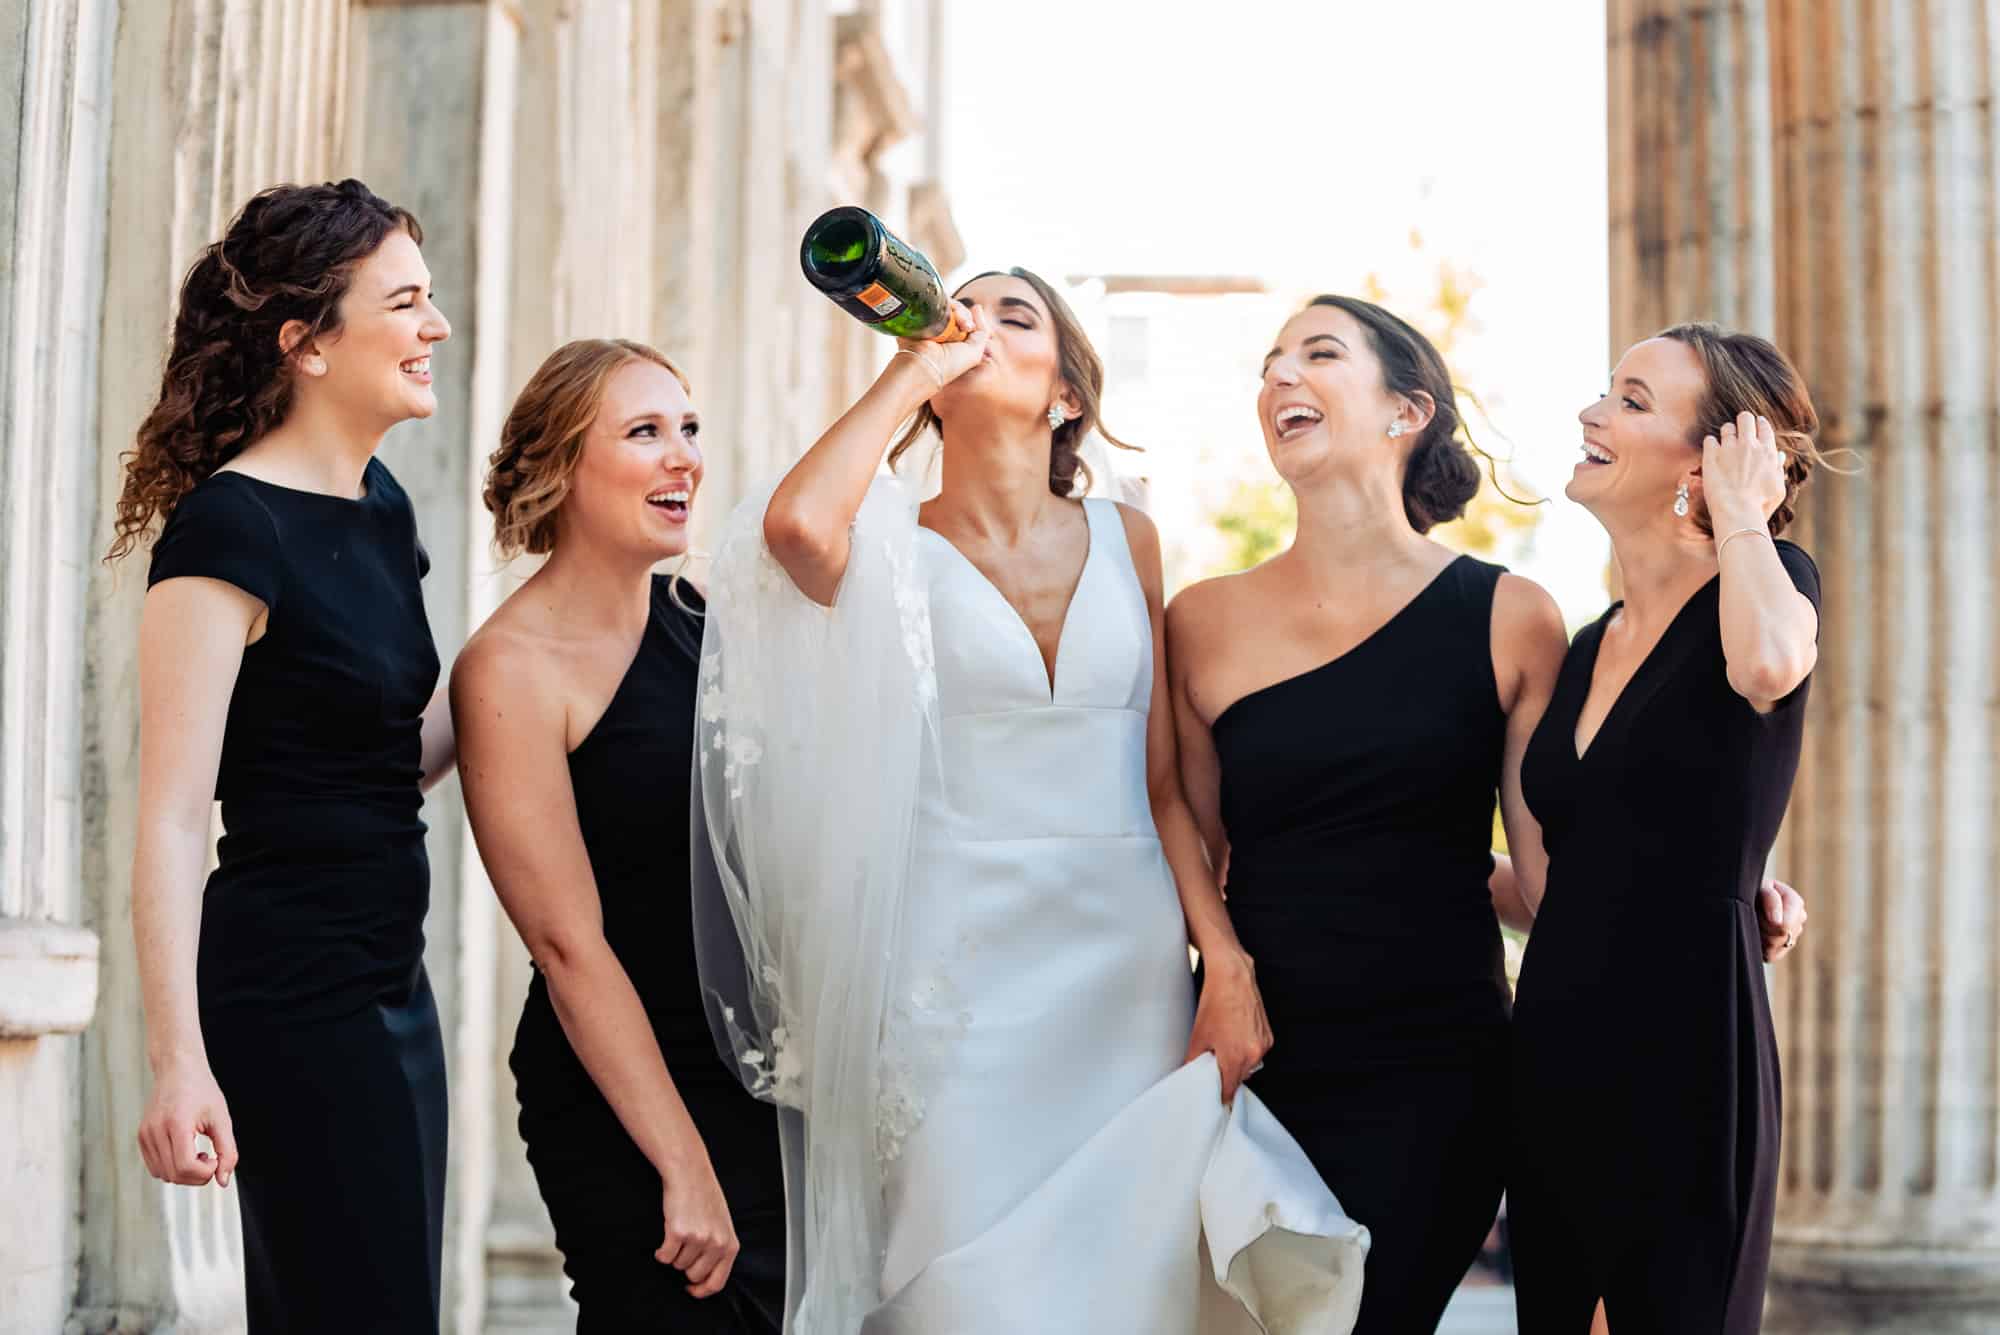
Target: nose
(1282, 371)
(683, 458)
(1592, 414)
(436, 329)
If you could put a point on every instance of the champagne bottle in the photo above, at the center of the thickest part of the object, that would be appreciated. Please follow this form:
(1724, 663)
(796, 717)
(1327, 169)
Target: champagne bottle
(876, 277)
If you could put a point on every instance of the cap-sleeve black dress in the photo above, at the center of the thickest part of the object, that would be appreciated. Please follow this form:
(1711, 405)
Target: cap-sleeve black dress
(1646, 1071)
(315, 1008)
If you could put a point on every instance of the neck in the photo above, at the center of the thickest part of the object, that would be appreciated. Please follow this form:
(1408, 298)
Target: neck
(996, 479)
(595, 588)
(1344, 524)
(320, 448)
(1661, 562)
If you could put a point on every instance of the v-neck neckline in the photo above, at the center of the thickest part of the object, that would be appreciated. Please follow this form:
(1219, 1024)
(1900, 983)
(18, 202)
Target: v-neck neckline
(1580, 754)
(1050, 671)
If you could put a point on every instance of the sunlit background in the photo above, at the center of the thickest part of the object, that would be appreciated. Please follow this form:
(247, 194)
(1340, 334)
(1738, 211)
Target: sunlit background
(1194, 181)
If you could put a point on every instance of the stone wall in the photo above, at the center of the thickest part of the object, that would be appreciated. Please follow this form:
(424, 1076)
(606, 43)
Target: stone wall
(623, 167)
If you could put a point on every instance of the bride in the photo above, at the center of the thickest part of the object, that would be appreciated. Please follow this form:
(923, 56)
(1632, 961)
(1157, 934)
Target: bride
(938, 925)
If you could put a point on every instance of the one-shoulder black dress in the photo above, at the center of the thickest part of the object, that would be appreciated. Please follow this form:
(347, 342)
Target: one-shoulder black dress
(631, 779)
(1359, 800)
(1645, 1119)
(314, 1005)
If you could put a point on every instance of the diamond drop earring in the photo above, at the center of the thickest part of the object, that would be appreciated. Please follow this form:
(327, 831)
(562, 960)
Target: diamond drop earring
(1055, 416)
(1396, 429)
(1681, 501)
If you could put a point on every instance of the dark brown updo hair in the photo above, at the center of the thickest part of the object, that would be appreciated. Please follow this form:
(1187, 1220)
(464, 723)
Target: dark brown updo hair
(1441, 475)
(1742, 373)
(289, 255)
(1082, 372)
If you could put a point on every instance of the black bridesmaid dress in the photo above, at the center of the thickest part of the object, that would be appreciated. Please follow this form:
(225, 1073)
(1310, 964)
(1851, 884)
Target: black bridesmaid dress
(314, 1005)
(1646, 1092)
(1359, 800)
(631, 779)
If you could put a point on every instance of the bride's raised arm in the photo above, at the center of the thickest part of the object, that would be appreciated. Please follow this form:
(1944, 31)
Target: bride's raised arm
(806, 524)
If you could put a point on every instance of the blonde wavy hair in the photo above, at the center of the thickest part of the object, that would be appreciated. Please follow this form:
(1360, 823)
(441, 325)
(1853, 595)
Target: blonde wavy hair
(528, 477)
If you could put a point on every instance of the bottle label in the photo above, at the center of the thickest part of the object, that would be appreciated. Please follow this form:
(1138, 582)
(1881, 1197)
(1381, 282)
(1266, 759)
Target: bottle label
(879, 299)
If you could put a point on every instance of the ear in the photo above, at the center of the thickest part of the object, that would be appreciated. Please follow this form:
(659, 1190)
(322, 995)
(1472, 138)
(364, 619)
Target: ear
(1697, 502)
(300, 350)
(1416, 412)
(1067, 397)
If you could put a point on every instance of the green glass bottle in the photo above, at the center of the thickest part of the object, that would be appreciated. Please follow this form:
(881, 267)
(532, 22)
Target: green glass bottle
(870, 273)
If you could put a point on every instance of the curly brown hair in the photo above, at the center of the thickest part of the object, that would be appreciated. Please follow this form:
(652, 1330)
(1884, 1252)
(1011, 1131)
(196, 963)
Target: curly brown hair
(1081, 370)
(528, 477)
(288, 255)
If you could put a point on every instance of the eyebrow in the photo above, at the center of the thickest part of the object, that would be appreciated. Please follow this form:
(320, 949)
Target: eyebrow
(411, 288)
(1024, 304)
(637, 418)
(1316, 338)
(1635, 380)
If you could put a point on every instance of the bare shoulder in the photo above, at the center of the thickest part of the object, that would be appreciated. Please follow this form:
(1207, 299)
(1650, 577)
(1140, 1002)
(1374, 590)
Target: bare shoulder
(1202, 612)
(506, 659)
(1529, 638)
(1524, 610)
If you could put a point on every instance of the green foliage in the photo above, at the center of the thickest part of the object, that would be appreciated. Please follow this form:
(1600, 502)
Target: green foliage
(1259, 520)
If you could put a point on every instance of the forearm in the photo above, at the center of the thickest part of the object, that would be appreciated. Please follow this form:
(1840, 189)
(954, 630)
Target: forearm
(166, 932)
(1209, 929)
(806, 522)
(1510, 899)
(612, 1036)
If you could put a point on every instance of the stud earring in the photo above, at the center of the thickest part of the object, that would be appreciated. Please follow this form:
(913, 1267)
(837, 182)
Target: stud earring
(1681, 501)
(315, 366)
(1396, 429)
(1056, 417)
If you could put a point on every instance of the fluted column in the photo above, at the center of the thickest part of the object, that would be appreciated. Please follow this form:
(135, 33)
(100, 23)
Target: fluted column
(1889, 1213)
(1690, 159)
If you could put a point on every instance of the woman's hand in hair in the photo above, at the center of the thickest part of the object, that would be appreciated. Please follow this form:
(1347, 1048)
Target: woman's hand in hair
(1742, 474)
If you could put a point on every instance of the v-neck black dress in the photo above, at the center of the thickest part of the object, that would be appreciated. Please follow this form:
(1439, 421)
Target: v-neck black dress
(1645, 1068)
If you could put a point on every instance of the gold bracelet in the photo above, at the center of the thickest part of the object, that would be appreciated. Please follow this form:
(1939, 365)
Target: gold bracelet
(929, 365)
(1737, 533)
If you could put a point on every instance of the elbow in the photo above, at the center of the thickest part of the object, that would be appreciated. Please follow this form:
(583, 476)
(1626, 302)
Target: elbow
(1772, 675)
(794, 537)
(562, 954)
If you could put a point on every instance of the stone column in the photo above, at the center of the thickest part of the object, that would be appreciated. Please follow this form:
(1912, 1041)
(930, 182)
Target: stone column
(1690, 158)
(55, 75)
(210, 100)
(431, 124)
(1886, 132)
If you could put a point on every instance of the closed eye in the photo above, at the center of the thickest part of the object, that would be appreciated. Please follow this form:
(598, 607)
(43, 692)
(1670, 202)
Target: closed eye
(1018, 324)
(1634, 404)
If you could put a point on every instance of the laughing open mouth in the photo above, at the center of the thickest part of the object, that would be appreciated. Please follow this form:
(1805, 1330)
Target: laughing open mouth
(1295, 419)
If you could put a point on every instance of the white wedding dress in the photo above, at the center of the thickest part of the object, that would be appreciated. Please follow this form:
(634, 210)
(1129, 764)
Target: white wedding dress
(1043, 1160)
